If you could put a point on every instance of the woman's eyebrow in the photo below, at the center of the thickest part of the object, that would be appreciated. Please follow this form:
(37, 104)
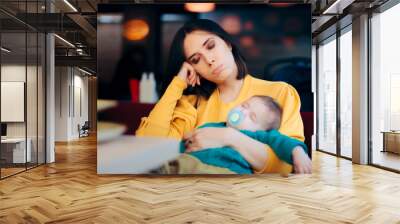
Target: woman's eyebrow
(205, 42)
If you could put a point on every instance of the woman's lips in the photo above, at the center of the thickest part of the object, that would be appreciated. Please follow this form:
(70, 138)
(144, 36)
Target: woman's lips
(218, 70)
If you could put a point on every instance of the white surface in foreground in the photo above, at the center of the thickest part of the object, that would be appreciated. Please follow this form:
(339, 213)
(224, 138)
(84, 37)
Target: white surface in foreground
(135, 155)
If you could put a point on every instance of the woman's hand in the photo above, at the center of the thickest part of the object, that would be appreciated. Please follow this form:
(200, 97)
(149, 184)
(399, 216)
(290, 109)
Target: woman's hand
(301, 162)
(188, 74)
(204, 138)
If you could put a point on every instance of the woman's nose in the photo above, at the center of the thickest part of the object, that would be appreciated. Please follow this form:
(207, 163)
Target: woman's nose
(209, 59)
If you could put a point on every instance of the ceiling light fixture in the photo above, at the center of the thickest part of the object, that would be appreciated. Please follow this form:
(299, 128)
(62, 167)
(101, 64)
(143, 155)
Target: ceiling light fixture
(5, 49)
(70, 5)
(64, 40)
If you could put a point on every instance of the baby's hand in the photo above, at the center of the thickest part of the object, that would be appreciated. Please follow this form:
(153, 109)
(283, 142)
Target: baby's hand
(301, 162)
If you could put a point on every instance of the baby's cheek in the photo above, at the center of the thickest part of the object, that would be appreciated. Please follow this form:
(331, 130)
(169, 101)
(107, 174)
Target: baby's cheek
(248, 124)
(254, 126)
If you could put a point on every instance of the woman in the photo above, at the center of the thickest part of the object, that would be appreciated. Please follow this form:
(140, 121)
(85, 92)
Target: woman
(207, 77)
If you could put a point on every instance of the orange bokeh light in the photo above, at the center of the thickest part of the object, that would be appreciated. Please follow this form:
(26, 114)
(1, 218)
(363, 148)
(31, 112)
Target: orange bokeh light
(247, 41)
(231, 24)
(289, 42)
(136, 29)
(199, 7)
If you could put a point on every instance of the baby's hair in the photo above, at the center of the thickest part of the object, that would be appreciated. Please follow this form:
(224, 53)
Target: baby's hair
(275, 109)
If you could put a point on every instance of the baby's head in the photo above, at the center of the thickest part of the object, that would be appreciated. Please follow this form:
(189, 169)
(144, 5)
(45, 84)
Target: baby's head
(256, 113)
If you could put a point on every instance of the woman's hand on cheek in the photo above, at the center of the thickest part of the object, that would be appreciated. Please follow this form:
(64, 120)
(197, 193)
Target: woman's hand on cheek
(188, 74)
(205, 138)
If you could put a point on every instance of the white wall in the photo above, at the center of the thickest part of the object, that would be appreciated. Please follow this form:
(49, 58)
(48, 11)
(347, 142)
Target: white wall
(70, 84)
(61, 103)
(14, 73)
(33, 126)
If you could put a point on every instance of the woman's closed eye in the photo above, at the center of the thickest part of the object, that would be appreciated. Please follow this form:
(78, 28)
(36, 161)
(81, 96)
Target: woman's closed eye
(210, 45)
(195, 60)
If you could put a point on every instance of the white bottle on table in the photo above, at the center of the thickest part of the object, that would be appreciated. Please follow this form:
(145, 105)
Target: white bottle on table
(142, 88)
(152, 89)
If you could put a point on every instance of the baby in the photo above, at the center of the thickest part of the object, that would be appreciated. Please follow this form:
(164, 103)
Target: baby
(259, 118)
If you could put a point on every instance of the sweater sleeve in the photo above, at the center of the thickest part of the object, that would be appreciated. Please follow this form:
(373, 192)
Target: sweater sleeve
(291, 125)
(291, 122)
(172, 116)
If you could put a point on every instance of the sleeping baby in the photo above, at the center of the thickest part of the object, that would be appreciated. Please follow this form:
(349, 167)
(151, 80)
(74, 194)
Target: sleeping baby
(259, 118)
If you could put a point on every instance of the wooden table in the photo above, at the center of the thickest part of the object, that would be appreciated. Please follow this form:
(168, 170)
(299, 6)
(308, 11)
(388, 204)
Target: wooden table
(128, 154)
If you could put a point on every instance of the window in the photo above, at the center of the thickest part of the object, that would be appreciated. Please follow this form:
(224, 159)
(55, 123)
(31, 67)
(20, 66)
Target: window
(346, 93)
(22, 66)
(385, 88)
(327, 96)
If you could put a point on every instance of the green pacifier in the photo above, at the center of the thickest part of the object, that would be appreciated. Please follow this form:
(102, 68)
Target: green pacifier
(235, 117)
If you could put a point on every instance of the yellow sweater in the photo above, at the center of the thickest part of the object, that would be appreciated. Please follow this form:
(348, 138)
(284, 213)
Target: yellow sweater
(176, 114)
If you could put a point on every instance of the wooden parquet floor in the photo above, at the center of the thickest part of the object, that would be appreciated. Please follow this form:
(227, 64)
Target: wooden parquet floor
(70, 191)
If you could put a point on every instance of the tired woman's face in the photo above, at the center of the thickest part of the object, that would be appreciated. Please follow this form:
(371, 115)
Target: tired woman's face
(210, 56)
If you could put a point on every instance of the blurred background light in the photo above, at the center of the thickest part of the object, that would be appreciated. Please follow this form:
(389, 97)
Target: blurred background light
(289, 42)
(172, 17)
(109, 19)
(248, 26)
(136, 29)
(231, 24)
(200, 7)
(247, 41)
(280, 4)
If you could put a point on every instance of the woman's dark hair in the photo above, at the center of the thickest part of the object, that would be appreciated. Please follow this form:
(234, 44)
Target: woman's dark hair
(177, 56)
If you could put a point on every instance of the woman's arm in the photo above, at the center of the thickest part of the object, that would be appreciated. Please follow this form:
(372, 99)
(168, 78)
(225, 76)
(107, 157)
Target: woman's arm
(252, 150)
(260, 156)
(214, 137)
(290, 150)
(291, 122)
(291, 125)
(172, 115)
